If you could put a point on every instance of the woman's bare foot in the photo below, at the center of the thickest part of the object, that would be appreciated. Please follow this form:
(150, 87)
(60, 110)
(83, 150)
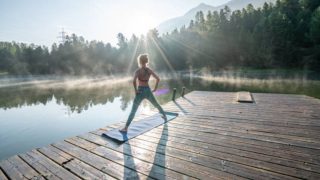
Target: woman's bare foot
(164, 117)
(124, 130)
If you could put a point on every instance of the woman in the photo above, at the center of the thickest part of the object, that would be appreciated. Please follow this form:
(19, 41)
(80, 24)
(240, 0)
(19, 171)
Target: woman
(143, 75)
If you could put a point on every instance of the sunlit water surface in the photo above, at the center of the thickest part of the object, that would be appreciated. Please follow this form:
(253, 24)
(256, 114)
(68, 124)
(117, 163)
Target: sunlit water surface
(35, 112)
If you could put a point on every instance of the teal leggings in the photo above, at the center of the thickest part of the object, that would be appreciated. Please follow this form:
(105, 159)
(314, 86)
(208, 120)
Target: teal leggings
(144, 93)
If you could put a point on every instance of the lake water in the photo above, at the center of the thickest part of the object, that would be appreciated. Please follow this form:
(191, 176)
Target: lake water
(35, 112)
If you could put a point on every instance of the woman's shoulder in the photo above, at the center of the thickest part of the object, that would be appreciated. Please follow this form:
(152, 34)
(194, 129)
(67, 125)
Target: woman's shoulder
(137, 70)
(149, 70)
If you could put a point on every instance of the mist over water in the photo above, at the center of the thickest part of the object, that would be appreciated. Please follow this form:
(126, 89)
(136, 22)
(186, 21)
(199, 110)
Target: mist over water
(39, 110)
(80, 92)
(267, 81)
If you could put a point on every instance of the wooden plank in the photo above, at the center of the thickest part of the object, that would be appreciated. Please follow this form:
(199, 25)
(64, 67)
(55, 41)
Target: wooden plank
(85, 171)
(259, 109)
(234, 162)
(238, 114)
(46, 167)
(2, 175)
(109, 167)
(267, 108)
(169, 163)
(190, 133)
(225, 153)
(159, 159)
(266, 126)
(239, 149)
(56, 155)
(11, 170)
(244, 97)
(302, 109)
(15, 168)
(74, 165)
(258, 120)
(125, 159)
(232, 130)
(211, 131)
(302, 164)
(192, 160)
(225, 138)
(261, 114)
(275, 137)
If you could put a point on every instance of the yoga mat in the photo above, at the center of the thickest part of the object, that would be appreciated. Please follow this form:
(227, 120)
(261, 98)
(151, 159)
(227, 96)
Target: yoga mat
(139, 127)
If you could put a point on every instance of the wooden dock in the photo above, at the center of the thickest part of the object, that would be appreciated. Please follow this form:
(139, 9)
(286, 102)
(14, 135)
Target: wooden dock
(215, 137)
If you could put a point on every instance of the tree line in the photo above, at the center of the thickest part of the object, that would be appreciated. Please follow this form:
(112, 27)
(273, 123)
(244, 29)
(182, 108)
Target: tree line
(285, 34)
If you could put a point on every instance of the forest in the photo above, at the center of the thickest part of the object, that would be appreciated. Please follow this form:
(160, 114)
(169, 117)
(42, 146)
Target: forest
(285, 35)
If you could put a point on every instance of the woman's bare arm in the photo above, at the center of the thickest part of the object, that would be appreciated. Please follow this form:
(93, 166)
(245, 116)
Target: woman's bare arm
(157, 80)
(135, 82)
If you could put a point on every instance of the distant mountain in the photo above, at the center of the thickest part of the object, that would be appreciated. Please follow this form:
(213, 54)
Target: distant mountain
(178, 22)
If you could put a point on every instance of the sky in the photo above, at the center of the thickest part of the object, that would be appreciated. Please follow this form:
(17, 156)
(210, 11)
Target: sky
(40, 21)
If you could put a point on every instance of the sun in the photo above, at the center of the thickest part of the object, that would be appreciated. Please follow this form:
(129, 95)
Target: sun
(140, 23)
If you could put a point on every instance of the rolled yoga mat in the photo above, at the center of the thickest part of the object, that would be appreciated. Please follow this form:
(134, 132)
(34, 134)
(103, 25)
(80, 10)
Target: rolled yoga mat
(139, 127)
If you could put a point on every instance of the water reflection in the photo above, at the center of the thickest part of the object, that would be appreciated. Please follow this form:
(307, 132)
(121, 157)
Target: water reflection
(80, 95)
(34, 114)
(77, 98)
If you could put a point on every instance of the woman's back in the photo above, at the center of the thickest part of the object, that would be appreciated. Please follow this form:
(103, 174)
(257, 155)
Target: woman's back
(143, 74)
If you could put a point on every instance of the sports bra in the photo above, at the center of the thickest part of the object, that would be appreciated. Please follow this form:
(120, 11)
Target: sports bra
(145, 75)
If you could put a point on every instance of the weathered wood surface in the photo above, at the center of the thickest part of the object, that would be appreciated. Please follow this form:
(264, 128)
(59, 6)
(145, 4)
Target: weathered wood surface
(244, 97)
(16, 168)
(215, 137)
(2, 176)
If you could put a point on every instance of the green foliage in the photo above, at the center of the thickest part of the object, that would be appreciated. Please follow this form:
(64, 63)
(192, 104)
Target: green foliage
(284, 35)
(281, 35)
(315, 27)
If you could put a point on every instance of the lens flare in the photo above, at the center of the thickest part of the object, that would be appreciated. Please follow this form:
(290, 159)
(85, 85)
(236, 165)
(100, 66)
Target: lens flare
(161, 92)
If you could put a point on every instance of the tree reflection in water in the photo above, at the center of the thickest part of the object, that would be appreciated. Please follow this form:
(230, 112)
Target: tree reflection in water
(78, 97)
(81, 94)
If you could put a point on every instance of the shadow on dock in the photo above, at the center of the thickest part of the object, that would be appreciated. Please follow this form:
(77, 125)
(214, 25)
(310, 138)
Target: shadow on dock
(160, 156)
(129, 162)
(159, 159)
(179, 106)
(189, 101)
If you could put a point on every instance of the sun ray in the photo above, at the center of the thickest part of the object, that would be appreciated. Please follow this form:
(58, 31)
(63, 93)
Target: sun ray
(166, 60)
(189, 47)
(137, 45)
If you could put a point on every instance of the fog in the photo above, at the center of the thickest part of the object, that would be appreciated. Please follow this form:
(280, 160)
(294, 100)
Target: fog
(66, 82)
